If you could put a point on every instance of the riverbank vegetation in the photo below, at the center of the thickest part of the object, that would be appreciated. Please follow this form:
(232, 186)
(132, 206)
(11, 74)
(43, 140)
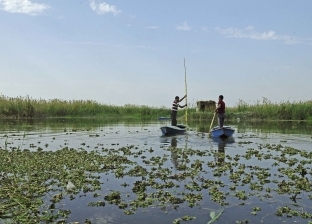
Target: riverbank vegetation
(264, 110)
(26, 107)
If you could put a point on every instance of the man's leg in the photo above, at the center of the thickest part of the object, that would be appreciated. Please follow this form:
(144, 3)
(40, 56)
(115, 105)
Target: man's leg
(174, 118)
(221, 120)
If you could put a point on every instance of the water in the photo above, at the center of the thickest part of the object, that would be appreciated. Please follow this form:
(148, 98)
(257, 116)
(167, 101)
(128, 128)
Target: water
(194, 164)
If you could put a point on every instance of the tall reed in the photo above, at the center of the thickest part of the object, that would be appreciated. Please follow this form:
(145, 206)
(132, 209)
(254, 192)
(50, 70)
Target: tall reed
(286, 110)
(265, 109)
(26, 107)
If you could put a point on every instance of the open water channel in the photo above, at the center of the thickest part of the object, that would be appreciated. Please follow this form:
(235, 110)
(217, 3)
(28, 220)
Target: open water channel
(127, 172)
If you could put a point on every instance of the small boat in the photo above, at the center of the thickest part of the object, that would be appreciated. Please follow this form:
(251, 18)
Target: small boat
(225, 131)
(173, 130)
(164, 118)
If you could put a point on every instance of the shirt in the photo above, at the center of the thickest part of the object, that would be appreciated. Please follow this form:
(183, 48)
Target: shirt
(221, 110)
(175, 105)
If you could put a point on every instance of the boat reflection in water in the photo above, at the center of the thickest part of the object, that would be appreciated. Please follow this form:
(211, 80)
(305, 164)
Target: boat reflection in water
(222, 143)
(172, 142)
(174, 155)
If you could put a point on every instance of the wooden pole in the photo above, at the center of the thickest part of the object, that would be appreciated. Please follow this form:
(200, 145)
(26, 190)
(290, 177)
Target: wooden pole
(212, 121)
(185, 92)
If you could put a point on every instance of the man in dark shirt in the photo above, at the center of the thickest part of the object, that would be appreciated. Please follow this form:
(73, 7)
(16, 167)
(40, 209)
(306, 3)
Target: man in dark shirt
(174, 111)
(221, 111)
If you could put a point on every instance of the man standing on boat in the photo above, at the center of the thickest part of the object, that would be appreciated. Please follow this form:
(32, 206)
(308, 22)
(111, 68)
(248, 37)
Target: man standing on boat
(221, 111)
(174, 111)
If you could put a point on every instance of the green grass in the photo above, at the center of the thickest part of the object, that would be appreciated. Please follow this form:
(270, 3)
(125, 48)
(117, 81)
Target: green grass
(26, 107)
(265, 110)
(285, 110)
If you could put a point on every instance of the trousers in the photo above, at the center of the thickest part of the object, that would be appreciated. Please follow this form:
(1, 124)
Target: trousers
(221, 119)
(174, 118)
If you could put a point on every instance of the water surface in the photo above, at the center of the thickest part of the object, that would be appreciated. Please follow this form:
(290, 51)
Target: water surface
(191, 176)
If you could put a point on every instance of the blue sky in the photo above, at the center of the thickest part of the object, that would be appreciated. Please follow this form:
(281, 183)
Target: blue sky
(132, 52)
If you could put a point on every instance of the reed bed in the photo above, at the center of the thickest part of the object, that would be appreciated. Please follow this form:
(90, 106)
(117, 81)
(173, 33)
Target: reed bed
(263, 110)
(26, 107)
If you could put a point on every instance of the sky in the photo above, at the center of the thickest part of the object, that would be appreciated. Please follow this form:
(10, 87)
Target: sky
(133, 52)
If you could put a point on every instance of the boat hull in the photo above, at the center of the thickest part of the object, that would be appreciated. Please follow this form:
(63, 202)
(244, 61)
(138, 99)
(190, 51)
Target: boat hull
(164, 118)
(225, 131)
(173, 130)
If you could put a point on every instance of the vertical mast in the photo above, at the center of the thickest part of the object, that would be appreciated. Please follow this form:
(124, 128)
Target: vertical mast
(185, 92)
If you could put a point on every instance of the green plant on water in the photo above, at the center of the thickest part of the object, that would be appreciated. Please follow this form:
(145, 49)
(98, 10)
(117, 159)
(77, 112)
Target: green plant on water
(40, 174)
(246, 221)
(256, 209)
(215, 216)
(6, 143)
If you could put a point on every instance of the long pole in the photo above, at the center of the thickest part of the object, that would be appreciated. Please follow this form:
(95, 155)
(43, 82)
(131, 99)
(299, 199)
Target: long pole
(186, 139)
(212, 121)
(185, 93)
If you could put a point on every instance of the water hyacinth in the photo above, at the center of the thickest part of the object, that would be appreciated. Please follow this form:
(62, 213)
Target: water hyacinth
(177, 181)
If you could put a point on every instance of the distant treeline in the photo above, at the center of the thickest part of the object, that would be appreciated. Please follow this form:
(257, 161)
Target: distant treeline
(26, 107)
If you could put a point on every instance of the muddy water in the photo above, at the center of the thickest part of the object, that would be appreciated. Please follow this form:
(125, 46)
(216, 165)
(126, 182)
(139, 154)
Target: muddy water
(250, 153)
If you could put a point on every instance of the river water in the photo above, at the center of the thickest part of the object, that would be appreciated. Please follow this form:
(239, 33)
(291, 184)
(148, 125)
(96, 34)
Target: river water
(250, 153)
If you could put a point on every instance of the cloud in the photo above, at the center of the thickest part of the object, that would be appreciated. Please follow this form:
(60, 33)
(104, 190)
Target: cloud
(152, 27)
(22, 6)
(204, 29)
(103, 8)
(184, 26)
(250, 33)
(112, 46)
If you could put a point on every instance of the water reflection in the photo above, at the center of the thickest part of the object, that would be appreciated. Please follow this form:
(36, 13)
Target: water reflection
(174, 155)
(285, 127)
(222, 143)
(57, 124)
(172, 144)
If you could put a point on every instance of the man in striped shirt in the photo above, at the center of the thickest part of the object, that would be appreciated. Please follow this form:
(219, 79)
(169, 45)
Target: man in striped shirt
(174, 111)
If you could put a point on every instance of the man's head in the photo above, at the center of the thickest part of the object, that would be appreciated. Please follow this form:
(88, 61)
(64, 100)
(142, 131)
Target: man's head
(176, 98)
(221, 97)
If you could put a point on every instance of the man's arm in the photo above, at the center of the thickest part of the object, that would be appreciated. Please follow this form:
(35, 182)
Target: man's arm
(218, 106)
(182, 98)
